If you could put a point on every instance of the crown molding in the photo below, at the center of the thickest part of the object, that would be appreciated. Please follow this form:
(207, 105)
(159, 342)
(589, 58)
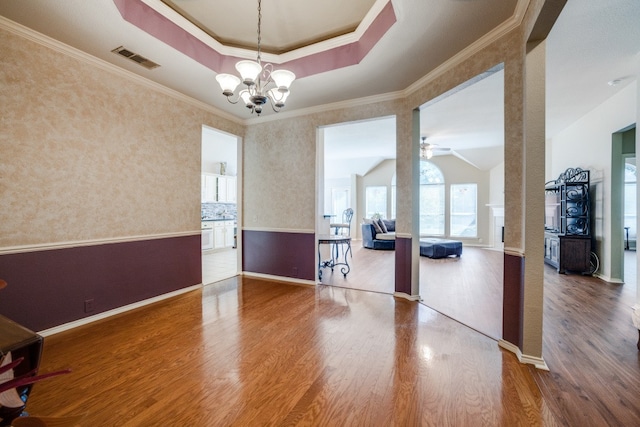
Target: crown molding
(315, 48)
(46, 41)
(350, 103)
(494, 35)
(339, 41)
(477, 46)
(480, 44)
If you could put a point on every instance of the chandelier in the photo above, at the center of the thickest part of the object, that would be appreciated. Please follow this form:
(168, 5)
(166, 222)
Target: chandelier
(263, 83)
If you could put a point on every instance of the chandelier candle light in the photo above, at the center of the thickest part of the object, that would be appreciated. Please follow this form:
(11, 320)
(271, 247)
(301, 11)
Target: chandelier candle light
(263, 83)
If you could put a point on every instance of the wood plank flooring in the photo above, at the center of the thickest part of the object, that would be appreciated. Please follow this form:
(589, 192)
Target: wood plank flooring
(254, 352)
(248, 352)
(468, 289)
(371, 270)
(589, 344)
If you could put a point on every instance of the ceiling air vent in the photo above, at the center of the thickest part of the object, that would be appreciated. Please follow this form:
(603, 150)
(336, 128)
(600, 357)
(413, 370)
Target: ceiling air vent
(139, 59)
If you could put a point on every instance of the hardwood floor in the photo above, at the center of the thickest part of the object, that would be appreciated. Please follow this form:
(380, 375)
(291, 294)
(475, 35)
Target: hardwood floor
(248, 352)
(589, 344)
(371, 270)
(468, 289)
(254, 352)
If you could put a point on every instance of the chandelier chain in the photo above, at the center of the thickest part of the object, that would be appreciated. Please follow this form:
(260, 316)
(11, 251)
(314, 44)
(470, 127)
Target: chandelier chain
(259, 24)
(262, 83)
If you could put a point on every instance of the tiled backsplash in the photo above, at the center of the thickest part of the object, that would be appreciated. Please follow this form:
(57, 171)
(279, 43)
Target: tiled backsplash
(219, 210)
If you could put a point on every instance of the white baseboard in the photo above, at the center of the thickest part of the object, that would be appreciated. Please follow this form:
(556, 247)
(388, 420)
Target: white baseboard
(279, 278)
(608, 279)
(123, 309)
(407, 296)
(538, 362)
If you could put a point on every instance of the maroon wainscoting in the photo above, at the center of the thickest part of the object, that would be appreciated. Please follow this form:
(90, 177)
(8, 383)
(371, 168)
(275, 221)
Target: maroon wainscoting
(279, 253)
(403, 265)
(49, 288)
(512, 308)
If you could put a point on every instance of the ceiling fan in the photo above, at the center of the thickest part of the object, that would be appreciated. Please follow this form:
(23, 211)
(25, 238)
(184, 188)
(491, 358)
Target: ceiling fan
(426, 149)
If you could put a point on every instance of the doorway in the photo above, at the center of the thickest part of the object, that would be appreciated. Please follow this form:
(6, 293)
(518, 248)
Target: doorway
(356, 170)
(623, 201)
(219, 205)
(461, 190)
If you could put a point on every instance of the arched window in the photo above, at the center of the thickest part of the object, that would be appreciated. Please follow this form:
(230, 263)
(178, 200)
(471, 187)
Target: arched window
(432, 202)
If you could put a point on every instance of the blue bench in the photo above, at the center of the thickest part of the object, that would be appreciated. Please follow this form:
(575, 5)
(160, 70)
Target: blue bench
(440, 248)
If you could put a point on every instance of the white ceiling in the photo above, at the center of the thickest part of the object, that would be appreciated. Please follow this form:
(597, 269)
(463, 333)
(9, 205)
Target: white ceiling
(303, 27)
(468, 119)
(593, 42)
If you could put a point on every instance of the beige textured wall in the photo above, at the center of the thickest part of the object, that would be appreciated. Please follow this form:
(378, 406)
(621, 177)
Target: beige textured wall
(279, 155)
(87, 154)
(280, 170)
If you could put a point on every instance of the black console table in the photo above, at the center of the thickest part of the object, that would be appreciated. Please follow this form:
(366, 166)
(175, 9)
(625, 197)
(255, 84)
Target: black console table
(336, 243)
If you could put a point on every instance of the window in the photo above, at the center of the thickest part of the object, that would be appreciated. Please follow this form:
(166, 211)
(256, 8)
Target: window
(376, 201)
(393, 196)
(340, 200)
(393, 201)
(630, 199)
(432, 205)
(464, 209)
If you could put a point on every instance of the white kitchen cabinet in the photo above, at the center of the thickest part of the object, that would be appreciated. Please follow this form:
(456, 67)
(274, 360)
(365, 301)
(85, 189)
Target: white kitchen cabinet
(207, 236)
(222, 189)
(232, 183)
(218, 188)
(209, 188)
(229, 232)
(218, 235)
(225, 191)
(223, 234)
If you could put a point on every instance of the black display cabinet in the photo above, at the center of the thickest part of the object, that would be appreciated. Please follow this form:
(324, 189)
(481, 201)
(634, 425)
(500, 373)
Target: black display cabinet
(567, 237)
